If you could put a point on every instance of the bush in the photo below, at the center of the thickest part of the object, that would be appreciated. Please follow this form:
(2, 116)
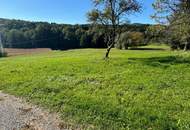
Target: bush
(177, 44)
(130, 39)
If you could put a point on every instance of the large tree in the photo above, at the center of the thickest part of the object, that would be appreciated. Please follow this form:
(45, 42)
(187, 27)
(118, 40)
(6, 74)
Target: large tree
(110, 15)
(175, 14)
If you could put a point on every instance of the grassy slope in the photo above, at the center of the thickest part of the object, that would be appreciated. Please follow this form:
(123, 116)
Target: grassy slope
(133, 90)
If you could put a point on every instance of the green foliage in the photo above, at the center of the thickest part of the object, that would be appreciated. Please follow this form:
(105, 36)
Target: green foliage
(23, 34)
(175, 15)
(85, 40)
(133, 90)
(156, 33)
(110, 15)
(130, 39)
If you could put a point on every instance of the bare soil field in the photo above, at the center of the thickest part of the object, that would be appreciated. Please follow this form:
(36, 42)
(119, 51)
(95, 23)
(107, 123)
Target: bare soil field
(16, 52)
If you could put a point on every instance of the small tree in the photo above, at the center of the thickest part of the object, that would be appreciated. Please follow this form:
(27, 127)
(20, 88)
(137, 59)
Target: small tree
(110, 15)
(2, 52)
(175, 14)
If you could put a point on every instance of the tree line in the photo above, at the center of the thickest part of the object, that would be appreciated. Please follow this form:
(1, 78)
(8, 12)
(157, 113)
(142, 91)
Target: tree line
(108, 28)
(25, 34)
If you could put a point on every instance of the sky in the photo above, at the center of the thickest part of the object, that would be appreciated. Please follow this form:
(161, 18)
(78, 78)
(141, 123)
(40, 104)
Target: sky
(61, 11)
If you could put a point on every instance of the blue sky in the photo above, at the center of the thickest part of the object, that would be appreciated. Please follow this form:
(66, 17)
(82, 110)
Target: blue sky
(60, 11)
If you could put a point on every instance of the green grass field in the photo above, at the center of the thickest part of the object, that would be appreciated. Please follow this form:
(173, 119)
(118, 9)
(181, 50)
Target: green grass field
(133, 90)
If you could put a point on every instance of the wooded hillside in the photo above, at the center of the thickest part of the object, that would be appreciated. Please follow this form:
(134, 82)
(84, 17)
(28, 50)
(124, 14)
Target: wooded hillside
(25, 34)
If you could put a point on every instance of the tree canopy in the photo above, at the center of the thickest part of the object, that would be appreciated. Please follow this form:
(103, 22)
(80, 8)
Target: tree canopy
(175, 14)
(110, 15)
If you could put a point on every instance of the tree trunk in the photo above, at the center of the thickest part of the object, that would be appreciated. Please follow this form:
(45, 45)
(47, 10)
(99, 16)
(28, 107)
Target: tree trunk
(107, 53)
(185, 47)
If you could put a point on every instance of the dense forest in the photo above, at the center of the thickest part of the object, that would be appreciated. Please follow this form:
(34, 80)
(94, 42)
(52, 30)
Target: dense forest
(25, 34)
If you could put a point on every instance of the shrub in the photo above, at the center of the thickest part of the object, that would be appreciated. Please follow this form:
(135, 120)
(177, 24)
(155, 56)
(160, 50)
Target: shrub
(130, 39)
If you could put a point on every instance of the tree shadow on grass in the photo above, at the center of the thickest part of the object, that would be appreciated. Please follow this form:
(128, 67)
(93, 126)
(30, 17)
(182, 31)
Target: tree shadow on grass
(144, 48)
(162, 61)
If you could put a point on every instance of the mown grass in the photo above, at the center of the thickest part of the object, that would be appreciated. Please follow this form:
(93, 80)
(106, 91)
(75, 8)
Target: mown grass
(133, 90)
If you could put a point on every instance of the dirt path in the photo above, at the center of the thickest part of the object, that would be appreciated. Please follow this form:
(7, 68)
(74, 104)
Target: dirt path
(16, 114)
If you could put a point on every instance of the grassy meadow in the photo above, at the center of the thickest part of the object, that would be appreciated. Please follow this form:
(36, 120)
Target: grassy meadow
(133, 90)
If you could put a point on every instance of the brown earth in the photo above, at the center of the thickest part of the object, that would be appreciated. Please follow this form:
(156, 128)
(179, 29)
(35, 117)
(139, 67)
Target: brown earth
(17, 114)
(16, 52)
